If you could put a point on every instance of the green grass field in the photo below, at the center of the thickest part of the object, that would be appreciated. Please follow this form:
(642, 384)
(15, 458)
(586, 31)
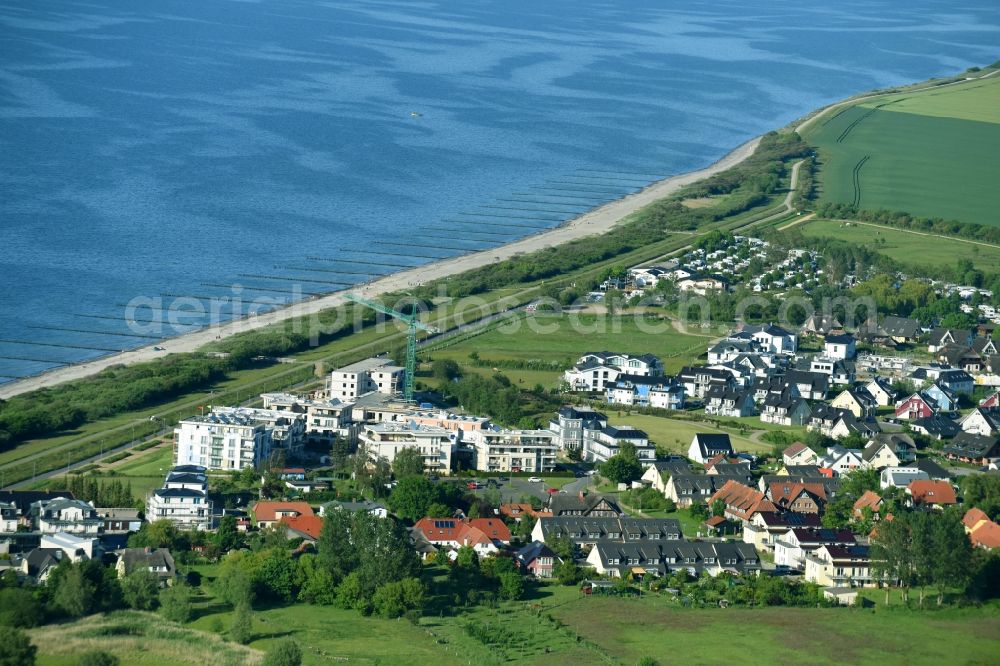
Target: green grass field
(931, 153)
(564, 338)
(909, 249)
(676, 435)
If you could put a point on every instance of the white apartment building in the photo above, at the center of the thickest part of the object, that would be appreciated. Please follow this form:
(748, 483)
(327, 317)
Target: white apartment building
(183, 499)
(222, 441)
(325, 418)
(437, 445)
(572, 423)
(372, 375)
(599, 445)
(515, 450)
(288, 429)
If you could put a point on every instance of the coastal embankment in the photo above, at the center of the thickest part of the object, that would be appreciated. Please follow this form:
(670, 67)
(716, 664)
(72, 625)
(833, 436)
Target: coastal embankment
(595, 221)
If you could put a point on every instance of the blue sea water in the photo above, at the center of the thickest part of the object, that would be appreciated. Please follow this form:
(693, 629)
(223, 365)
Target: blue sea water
(155, 148)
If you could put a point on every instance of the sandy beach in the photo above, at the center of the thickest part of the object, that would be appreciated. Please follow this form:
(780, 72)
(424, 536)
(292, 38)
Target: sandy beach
(596, 221)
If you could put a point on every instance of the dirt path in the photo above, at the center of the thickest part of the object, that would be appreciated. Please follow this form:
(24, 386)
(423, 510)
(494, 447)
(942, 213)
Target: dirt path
(800, 220)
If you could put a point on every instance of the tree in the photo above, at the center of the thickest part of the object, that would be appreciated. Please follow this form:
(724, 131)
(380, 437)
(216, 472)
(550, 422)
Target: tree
(227, 537)
(340, 452)
(624, 466)
(699, 510)
(396, 598)
(74, 594)
(950, 561)
(15, 648)
(19, 608)
(241, 630)
(234, 585)
(445, 369)
(412, 497)
(175, 603)
(511, 585)
(98, 658)
(140, 589)
(718, 508)
(408, 462)
(567, 572)
(285, 652)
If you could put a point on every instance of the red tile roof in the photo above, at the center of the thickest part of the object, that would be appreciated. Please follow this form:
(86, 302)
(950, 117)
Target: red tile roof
(308, 525)
(973, 516)
(870, 499)
(464, 533)
(924, 491)
(794, 449)
(494, 528)
(742, 501)
(517, 510)
(267, 511)
(987, 535)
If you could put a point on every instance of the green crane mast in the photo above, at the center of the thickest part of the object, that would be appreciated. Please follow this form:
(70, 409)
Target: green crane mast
(411, 338)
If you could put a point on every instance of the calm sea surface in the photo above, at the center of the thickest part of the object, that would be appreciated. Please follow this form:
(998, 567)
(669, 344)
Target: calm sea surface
(156, 148)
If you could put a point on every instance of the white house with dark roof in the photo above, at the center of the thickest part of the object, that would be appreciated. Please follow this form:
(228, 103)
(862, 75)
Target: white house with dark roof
(606, 442)
(183, 499)
(705, 446)
(772, 338)
(839, 346)
(594, 370)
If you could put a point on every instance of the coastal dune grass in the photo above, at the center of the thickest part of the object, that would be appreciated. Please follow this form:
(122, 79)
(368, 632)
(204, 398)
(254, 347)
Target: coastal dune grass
(932, 153)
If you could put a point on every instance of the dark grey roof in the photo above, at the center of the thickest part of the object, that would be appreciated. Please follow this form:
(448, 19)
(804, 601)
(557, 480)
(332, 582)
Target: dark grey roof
(564, 502)
(592, 529)
(968, 445)
(575, 412)
(932, 469)
(844, 339)
(23, 499)
(141, 557)
(901, 327)
(533, 551)
(624, 432)
(178, 492)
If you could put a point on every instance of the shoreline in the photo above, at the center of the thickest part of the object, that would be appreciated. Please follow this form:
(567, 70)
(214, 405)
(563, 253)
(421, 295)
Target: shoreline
(596, 221)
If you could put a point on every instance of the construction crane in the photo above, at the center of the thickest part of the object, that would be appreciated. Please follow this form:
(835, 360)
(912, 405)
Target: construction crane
(411, 337)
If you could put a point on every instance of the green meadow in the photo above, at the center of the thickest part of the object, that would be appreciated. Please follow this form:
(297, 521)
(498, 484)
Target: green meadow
(906, 247)
(932, 153)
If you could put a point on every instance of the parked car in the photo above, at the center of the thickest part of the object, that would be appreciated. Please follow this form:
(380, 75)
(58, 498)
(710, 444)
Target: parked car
(534, 479)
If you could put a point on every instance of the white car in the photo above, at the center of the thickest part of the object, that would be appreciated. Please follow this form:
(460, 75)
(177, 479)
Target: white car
(534, 479)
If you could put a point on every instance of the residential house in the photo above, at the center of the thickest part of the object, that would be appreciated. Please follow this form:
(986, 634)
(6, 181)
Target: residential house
(785, 411)
(971, 448)
(586, 532)
(741, 501)
(591, 505)
(667, 396)
(697, 381)
(840, 372)
(183, 499)
(268, 513)
(933, 470)
(942, 337)
(839, 566)
(777, 385)
(983, 532)
(857, 401)
(537, 559)
(839, 423)
(39, 563)
(325, 418)
(792, 548)
(307, 528)
(659, 472)
(701, 284)
(992, 401)
(706, 445)
(571, 424)
(798, 497)
(483, 535)
(889, 450)
(732, 403)
(798, 454)
(870, 500)
(67, 515)
(772, 338)
(77, 547)
(917, 406)
(765, 528)
(935, 426)
(119, 521)
(602, 444)
(158, 561)
(821, 324)
(985, 346)
(900, 477)
(594, 370)
(518, 511)
(901, 329)
(368, 506)
(962, 358)
(660, 559)
(810, 385)
(983, 421)
(686, 489)
(931, 494)
(840, 347)
(880, 389)
(840, 460)
(957, 381)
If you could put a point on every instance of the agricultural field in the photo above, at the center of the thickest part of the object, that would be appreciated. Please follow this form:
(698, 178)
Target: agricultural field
(559, 340)
(911, 249)
(931, 153)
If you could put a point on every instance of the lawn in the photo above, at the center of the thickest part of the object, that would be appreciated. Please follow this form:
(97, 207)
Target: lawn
(931, 153)
(562, 339)
(907, 248)
(630, 629)
(676, 435)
